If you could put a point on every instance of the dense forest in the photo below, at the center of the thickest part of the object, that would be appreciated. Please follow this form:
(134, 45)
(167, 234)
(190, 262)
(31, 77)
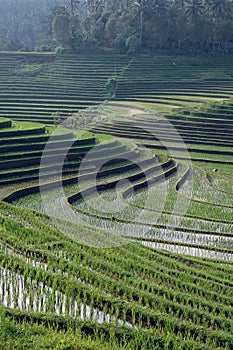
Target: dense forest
(121, 25)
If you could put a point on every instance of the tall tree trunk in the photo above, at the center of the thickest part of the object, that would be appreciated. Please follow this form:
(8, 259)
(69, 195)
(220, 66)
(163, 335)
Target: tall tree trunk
(141, 25)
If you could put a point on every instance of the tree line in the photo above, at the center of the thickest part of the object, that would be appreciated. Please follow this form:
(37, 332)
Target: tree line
(121, 25)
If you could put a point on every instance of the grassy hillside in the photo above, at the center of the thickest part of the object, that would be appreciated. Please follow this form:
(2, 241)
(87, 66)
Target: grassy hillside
(116, 233)
(41, 87)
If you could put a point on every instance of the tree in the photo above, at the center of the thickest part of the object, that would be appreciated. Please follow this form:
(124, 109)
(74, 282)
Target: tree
(180, 3)
(111, 28)
(140, 5)
(76, 33)
(94, 10)
(193, 9)
(155, 23)
(218, 8)
(94, 6)
(111, 86)
(61, 29)
(72, 6)
(133, 44)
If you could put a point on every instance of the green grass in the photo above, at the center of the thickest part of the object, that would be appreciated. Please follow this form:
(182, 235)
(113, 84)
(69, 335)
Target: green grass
(29, 335)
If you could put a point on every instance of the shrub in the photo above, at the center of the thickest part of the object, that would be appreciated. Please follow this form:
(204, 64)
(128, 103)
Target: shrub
(111, 86)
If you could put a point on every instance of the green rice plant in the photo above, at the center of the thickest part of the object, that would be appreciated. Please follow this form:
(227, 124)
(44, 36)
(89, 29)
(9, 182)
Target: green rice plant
(171, 286)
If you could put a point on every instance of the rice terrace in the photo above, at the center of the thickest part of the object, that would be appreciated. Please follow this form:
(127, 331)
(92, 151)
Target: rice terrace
(116, 188)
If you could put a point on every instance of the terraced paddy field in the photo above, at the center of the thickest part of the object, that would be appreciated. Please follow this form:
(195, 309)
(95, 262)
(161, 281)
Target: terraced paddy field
(118, 235)
(41, 87)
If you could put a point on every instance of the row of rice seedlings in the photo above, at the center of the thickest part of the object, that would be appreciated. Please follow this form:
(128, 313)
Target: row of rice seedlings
(64, 305)
(109, 204)
(155, 291)
(47, 299)
(55, 266)
(102, 286)
(197, 224)
(224, 170)
(90, 335)
(88, 261)
(18, 291)
(131, 251)
(57, 207)
(107, 264)
(187, 250)
(33, 202)
(153, 202)
(145, 283)
(160, 265)
(204, 192)
(154, 198)
(222, 183)
(207, 240)
(29, 260)
(36, 296)
(160, 196)
(8, 210)
(206, 210)
(123, 211)
(24, 217)
(45, 240)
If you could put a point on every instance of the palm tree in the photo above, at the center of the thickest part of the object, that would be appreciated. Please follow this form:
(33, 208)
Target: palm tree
(72, 6)
(93, 10)
(93, 6)
(177, 22)
(140, 6)
(180, 3)
(193, 9)
(218, 8)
